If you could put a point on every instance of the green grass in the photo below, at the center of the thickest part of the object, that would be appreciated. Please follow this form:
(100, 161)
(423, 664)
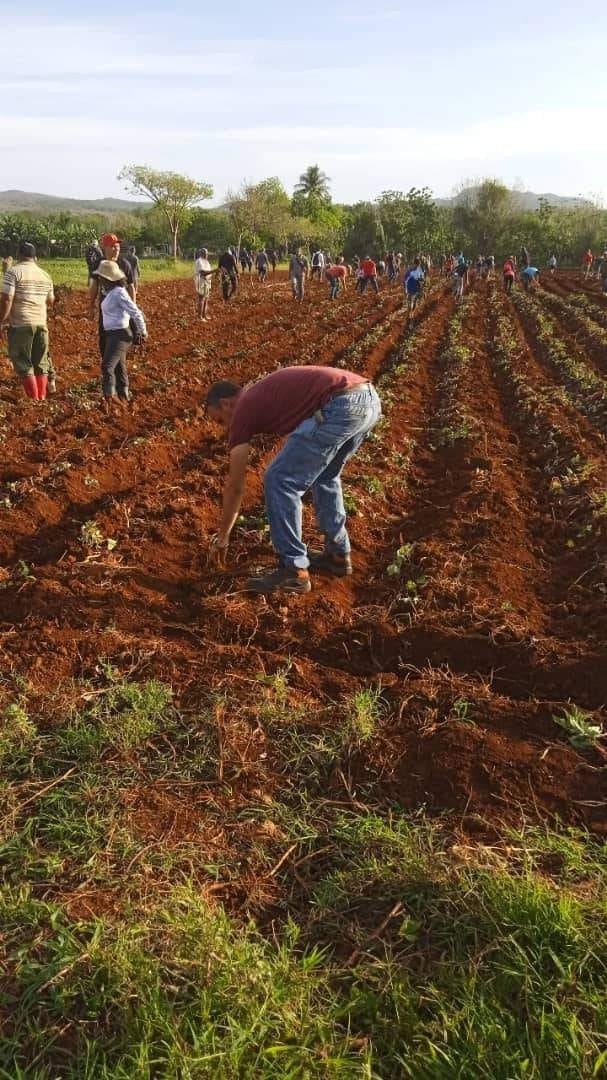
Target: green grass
(73, 272)
(366, 943)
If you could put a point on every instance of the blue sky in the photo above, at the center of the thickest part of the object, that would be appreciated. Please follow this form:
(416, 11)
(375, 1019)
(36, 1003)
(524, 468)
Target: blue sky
(381, 94)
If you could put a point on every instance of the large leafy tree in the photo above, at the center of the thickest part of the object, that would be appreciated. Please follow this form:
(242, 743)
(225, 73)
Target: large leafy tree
(484, 213)
(259, 212)
(174, 195)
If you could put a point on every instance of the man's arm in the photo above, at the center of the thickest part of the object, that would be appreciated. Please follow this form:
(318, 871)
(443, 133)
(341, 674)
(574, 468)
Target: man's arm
(6, 303)
(93, 292)
(233, 492)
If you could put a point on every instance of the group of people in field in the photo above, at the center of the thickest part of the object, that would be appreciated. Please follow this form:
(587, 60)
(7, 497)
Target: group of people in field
(27, 295)
(325, 412)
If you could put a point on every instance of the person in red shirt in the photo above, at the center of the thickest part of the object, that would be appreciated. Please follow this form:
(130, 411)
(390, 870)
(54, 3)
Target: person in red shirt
(369, 274)
(327, 413)
(336, 276)
(587, 262)
(509, 272)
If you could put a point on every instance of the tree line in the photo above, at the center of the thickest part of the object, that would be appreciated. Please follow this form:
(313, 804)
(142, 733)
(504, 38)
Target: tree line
(484, 218)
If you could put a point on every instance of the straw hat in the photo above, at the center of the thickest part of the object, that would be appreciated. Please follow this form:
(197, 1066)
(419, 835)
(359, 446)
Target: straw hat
(109, 270)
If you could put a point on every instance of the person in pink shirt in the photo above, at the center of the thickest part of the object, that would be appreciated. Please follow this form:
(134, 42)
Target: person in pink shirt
(336, 276)
(587, 262)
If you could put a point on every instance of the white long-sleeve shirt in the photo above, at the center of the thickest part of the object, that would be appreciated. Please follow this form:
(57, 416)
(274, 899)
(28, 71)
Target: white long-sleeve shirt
(117, 309)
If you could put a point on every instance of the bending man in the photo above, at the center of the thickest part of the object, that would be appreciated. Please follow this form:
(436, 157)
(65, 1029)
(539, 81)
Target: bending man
(327, 413)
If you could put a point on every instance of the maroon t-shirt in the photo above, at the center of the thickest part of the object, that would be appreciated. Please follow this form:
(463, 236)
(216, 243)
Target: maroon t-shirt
(277, 404)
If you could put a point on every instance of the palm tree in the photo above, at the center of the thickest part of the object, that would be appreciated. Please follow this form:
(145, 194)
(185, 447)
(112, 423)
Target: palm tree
(314, 184)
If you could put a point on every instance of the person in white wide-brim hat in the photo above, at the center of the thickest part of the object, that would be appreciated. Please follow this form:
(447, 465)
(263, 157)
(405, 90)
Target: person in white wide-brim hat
(123, 325)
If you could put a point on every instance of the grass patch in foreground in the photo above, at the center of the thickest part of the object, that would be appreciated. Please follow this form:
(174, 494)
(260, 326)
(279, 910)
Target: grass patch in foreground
(73, 272)
(414, 959)
(386, 946)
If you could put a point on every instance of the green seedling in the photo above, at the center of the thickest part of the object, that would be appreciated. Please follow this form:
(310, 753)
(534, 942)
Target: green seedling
(461, 710)
(582, 730)
(92, 537)
(401, 559)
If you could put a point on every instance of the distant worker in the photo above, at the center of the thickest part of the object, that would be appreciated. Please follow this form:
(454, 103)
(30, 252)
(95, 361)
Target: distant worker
(601, 266)
(509, 273)
(552, 264)
(412, 283)
(530, 277)
(327, 413)
(229, 274)
(27, 293)
(369, 275)
(110, 248)
(119, 313)
(391, 266)
(202, 283)
(262, 264)
(243, 259)
(336, 276)
(298, 270)
(460, 278)
(273, 257)
(93, 254)
(318, 265)
(133, 259)
(587, 261)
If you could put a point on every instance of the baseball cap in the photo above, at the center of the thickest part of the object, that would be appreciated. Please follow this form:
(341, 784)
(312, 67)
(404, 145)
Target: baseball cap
(27, 251)
(108, 239)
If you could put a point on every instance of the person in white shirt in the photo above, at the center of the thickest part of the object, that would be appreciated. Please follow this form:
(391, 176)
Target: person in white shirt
(123, 325)
(202, 282)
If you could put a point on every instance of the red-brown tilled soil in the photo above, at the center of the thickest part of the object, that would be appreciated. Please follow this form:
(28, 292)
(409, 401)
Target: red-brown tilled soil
(495, 624)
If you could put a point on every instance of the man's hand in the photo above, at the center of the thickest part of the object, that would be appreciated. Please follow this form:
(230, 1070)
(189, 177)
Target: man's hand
(218, 551)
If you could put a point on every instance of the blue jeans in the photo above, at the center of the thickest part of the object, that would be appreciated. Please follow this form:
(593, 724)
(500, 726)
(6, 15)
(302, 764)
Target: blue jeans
(312, 459)
(334, 287)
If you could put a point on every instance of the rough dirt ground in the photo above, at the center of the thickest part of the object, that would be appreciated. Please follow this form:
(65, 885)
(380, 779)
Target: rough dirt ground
(504, 623)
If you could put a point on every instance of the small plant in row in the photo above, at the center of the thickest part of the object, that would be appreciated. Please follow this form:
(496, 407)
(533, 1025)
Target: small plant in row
(452, 422)
(577, 318)
(587, 390)
(569, 474)
(582, 303)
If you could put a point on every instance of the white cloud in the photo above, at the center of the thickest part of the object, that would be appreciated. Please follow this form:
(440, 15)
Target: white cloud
(568, 131)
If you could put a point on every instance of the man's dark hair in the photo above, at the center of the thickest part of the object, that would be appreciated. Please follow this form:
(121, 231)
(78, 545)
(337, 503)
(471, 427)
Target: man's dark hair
(220, 391)
(26, 250)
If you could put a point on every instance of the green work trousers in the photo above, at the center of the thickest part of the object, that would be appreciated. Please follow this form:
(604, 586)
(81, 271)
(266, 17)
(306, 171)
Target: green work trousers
(28, 349)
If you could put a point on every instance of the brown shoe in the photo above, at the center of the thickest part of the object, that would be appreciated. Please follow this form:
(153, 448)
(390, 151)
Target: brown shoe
(330, 562)
(282, 579)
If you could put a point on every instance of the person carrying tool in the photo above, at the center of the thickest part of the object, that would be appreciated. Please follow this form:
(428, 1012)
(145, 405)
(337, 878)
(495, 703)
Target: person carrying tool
(327, 413)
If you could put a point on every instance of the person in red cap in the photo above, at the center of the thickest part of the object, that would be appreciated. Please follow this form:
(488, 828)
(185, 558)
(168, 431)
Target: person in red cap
(110, 246)
(27, 293)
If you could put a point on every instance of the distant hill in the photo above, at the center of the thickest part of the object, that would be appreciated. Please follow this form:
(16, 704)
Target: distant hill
(37, 203)
(527, 200)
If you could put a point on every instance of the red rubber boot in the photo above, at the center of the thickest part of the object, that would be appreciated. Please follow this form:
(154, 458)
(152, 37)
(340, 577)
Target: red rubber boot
(30, 386)
(41, 383)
